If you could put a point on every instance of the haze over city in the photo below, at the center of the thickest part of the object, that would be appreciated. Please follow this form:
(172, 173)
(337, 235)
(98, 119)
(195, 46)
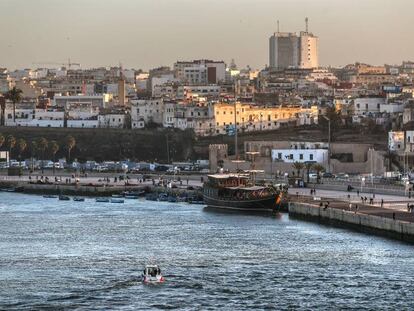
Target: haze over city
(148, 33)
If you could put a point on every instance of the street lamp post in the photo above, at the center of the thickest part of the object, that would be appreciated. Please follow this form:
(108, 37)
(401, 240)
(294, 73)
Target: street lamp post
(329, 143)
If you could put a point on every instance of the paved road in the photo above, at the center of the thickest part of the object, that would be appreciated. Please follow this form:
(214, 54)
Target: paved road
(390, 201)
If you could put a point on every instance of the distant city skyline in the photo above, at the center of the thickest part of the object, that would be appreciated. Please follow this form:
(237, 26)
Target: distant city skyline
(151, 33)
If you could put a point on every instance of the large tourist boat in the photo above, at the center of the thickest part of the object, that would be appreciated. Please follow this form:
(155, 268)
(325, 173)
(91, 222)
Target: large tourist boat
(239, 192)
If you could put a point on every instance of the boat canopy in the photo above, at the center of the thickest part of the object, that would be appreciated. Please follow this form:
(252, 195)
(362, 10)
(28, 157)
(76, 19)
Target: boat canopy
(228, 176)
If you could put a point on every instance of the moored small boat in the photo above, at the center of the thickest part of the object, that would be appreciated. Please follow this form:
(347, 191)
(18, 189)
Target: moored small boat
(49, 196)
(77, 199)
(131, 197)
(115, 200)
(151, 197)
(102, 200)
(163, 197)
(64, 198)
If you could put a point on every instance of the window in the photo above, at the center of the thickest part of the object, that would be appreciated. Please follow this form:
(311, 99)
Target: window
(311, 157)
(279, 155)
(301, 156)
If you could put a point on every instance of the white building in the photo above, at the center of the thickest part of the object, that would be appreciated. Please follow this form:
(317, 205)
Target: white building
(112, 120)
(146, 110)
(201, 71)
(67, 101)
(24, 113)
(188, 91)
(289, 50)
(396, 141)
(300, 155)
(367, 106)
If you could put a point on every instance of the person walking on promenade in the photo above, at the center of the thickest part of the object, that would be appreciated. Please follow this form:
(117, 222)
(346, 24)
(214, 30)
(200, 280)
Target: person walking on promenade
(371, 201)
(350, 206)
(408, 207)
(362, 200)
(382, 203)
(393, 216)
(358, 193)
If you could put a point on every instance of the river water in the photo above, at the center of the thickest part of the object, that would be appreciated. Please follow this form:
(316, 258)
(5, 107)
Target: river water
(58, 255)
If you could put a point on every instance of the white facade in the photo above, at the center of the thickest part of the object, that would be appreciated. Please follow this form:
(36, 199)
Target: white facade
(67, 101)
(201, 71)
(288, 50)
(300, 155)
(147, 110)
(189, 91)
(83, 123)
(395, 141)
(365, 106)
(112, 120)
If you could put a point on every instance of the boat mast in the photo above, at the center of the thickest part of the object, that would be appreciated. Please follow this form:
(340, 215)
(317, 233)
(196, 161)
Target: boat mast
(236, 150)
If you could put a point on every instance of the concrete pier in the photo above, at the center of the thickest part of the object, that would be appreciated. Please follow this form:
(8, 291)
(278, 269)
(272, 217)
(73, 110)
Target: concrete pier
(375, 220)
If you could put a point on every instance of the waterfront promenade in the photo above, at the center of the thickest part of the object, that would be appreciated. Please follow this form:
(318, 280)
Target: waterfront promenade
(387, 215)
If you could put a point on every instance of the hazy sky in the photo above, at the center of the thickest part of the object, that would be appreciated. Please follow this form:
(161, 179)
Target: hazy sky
(149, 33)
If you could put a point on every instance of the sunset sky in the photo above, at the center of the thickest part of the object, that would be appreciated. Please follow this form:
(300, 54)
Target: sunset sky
(149, 33)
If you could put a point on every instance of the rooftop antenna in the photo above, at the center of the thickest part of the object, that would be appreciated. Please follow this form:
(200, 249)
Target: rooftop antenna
(307, 24)
(278, 29)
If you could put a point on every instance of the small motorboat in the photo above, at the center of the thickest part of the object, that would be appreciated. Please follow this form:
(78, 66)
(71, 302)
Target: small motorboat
(64, 198)
(151, 197)
(115, 200)
(152, 275)
(117, 196)
(163, 197)
(131, 196)
(102, 200)
(49, 196)
(78, 199)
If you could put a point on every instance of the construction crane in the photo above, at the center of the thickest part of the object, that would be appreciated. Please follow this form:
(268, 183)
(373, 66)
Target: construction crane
(68, 65)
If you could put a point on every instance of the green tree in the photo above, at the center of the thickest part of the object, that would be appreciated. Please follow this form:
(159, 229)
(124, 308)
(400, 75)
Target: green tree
(33, 151)
(42, 144)
(15, 96)
(308, 166)
(70, 143)
(2, 139)
(11, 142)
(21, 146)
(54, 148)
(298, 166)
(318, 168)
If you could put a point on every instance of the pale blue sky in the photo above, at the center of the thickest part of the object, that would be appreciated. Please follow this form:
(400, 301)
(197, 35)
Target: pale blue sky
(148, 33)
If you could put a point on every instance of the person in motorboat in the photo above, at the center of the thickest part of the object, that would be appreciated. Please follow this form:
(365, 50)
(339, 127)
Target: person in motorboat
(152, 274)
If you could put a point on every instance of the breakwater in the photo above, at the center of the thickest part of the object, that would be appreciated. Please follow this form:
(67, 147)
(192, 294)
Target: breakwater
(91, 189)
(391, 223)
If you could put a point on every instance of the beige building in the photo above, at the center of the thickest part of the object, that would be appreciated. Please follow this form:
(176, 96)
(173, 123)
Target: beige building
(256, 118)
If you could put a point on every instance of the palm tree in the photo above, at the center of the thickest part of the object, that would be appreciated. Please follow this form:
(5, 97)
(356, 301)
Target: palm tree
(308, 166)
(42, 144)
(70, 144)
(21, 145)
(54, 148)
(2, 139)
(33, 152)
(298, 166)
(318, 168)
(11, 142)
(15, 95)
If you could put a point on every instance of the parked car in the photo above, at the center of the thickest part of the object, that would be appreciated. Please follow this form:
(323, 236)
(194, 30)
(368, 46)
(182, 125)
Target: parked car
(328, 175)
